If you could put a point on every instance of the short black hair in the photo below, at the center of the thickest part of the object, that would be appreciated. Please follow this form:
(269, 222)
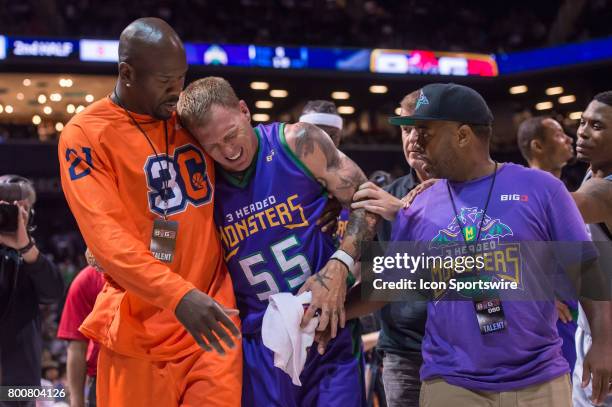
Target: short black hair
(604, 97)
(531, 129)
(482, 131)
(320, 106)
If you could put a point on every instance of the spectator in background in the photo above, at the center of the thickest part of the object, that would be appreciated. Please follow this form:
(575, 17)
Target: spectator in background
(27, 279)
(82, 352)
(594, 199)
(52, 376)
(324, 115)
(51, 372)
(545, 146)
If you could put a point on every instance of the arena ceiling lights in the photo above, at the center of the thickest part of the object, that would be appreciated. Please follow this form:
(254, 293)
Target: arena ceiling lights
(259, 85)
(264, 104)
(340, 95)
(555, 90)
(346, 109)
(279, 93)
(261, 117)
(544, 106)
(28, 94)
(575, 115)
(516, 90)
(378, 89)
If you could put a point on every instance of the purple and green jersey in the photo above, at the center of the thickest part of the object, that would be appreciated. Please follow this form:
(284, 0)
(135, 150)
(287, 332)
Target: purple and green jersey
(525, 205)
(267, 224)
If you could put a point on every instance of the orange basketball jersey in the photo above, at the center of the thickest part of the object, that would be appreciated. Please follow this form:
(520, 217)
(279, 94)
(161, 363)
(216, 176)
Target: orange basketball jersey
(113, 182)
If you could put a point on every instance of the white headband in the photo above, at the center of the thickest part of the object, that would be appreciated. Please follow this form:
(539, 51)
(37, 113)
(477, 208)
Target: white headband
(325, 119)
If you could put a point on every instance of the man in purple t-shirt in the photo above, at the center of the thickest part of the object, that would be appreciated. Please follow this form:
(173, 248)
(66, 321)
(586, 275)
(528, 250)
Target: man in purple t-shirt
(519, 361)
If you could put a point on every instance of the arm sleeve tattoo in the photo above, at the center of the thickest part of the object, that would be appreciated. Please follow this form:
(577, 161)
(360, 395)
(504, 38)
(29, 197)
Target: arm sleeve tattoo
(340, 176)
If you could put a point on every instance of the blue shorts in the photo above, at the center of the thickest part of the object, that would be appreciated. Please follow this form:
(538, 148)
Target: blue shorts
(334, 379)
(567, 332)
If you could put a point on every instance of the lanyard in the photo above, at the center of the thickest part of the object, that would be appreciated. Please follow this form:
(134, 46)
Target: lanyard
(489, 311)
(484, 214)
(165, 180)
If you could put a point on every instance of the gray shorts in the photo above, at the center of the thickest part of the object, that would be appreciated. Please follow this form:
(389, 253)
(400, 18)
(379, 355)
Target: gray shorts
(401, 380)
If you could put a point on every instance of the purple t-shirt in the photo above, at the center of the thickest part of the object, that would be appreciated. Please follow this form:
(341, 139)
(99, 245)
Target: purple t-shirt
(525, 205)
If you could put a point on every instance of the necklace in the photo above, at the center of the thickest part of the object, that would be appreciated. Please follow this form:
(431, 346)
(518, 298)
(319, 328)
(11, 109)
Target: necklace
(484, 214)
(165, 180)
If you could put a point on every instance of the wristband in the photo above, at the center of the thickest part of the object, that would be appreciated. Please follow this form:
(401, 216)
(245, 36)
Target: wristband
(345, 258)
(26, 248)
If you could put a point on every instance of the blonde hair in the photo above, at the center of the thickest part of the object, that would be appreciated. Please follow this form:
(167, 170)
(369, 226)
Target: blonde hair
(198, 98)
(408, 103)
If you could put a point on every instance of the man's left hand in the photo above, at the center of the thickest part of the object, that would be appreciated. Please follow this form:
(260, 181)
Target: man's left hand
(565, 315)
(416, 191)
(598, 362)
(328, 289)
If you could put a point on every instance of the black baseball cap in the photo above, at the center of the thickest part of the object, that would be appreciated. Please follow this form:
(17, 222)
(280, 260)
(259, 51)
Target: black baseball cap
(449, 102)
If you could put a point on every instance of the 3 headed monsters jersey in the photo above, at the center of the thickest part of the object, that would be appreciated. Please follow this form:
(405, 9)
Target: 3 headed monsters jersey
(267, 222)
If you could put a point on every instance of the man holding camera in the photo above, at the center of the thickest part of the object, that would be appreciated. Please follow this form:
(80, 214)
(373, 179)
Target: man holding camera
(27, 278)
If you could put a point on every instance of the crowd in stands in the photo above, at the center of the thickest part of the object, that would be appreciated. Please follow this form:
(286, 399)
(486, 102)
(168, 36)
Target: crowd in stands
(450, 25)
(66, 250)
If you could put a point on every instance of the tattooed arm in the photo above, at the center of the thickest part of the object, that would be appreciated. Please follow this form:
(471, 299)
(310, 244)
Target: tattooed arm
(594, 200)
(341, 177)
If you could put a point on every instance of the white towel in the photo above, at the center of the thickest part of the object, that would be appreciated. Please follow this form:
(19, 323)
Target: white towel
(281, 332)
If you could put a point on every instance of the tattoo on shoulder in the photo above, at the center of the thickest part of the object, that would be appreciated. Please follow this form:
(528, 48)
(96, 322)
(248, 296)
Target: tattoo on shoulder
(348, 178)
(309, 136)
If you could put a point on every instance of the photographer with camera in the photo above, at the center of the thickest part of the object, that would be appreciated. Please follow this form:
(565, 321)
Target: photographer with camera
(27, 279)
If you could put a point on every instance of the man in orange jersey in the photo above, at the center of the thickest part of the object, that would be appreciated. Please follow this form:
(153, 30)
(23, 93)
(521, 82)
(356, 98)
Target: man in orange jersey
(141, 190)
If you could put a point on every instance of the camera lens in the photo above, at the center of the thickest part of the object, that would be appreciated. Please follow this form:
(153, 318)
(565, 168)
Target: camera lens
(8, 218)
